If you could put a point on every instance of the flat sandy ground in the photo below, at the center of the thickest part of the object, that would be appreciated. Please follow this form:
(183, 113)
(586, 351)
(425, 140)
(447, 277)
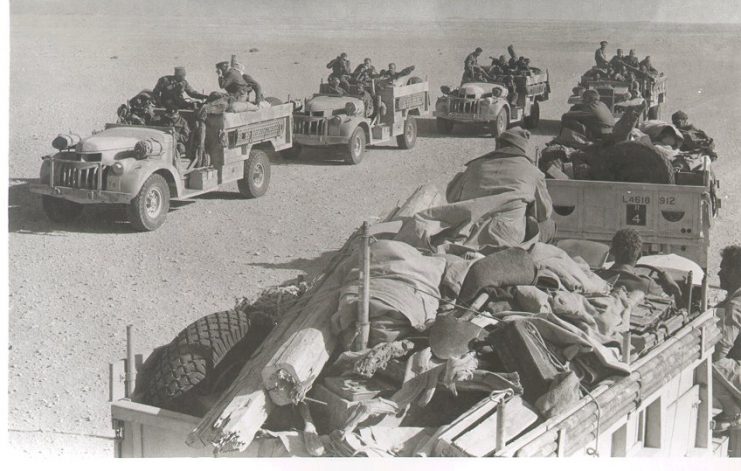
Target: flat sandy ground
(74, 288)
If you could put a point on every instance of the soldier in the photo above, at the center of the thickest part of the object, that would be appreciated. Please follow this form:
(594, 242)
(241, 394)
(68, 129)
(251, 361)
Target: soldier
(617, 63)
(365, 72)
(340, 66)
(600, 55)
(727, 354)
(138, 110)
(252, 84)
(647, 64)
(170, 90)
(591, 118)
(512, 95)
(231, 80)
(171, 119)
(471, 67)
(391, 74)
(694, 139)
(334, 86)
(632, 59)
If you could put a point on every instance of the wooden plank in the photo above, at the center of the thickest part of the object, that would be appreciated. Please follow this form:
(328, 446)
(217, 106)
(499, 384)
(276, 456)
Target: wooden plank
(703, 378)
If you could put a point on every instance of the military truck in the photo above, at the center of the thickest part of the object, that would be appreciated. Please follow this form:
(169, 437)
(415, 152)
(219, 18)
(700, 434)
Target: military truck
(491, 104)
(140, 166)
(350, 123)
(616, 94)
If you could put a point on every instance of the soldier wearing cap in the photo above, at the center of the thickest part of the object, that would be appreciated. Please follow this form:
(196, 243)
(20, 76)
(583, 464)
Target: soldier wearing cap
(171, 90)
(510, 169)
(631, 59)
(600, 55)
(171, 119)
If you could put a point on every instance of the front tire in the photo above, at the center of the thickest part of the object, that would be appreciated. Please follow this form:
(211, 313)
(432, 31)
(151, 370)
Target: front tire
(60, 210)
(533, 119)
(148, 210)
(444, 126)
(409, 137)
(256, 178)
(355, 148)
(501, 123)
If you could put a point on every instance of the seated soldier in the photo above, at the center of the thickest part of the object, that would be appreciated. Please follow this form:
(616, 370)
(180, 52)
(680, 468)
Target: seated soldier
(694, 139)
(171, 119)
(138, 110)
(334, 86)
(591, 117)
(391, 74)
(364, 73)
(232, 81)
(649, 68)
(626, 249)
(632, 59)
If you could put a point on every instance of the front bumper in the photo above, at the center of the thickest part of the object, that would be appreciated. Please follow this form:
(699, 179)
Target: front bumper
(463, 117)
(319, 140)
(81, 195)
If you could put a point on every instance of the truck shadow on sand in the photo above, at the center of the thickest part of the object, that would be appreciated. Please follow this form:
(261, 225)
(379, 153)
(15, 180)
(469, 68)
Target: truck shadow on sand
(25, 215)
(426, 127)
(310, 266)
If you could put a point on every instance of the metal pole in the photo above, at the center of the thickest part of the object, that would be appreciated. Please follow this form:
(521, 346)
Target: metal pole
(364, 292)
(130, 368)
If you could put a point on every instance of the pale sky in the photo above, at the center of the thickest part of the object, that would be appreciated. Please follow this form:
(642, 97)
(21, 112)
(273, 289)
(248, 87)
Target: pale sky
(677, 11)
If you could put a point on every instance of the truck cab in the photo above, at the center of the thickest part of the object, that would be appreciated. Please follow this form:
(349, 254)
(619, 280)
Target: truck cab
(139, 165)
(363, 117)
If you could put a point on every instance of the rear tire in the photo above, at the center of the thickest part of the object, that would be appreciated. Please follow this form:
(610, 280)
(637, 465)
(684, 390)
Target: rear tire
(353, 152)
(59, 209)
(501, 123)
(444, 126)
(409, 137)
(203, 359)
(148, 210)
(533, 119)
(256, 178)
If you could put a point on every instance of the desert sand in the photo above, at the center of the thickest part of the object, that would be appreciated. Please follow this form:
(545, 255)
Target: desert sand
(74, 287)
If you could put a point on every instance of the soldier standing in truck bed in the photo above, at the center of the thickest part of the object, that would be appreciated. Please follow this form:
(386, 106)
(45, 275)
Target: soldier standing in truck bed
(471, 67)
(341, 69)
(600, 55)
(170, 90)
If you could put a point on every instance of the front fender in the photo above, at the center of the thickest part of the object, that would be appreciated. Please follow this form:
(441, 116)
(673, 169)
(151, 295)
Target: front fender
(348, 127)
(137, 172)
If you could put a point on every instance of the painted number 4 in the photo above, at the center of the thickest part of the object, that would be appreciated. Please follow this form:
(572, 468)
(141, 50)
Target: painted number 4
(635, 214)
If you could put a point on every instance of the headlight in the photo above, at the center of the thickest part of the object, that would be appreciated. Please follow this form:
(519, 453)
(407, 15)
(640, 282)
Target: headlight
(65, 141)
(336, 120)
(147, 147)
(445, 89)
(117, 168)
(350, 108)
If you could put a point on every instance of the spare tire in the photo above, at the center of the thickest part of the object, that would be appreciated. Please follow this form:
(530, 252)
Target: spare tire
(634, 162)
(203, 359)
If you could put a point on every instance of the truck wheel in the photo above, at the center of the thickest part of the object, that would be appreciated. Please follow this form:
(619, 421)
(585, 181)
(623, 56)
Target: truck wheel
(501, 123)
(204, 358)
(409, 138)
(148, 209)
(59, 209)
(355, 147)
(256, 178)
(293, 153)
(654, 112)
(444, 126)
(532, 120)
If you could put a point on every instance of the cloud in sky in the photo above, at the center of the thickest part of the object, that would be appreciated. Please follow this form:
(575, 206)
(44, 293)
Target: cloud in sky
(676, 11)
